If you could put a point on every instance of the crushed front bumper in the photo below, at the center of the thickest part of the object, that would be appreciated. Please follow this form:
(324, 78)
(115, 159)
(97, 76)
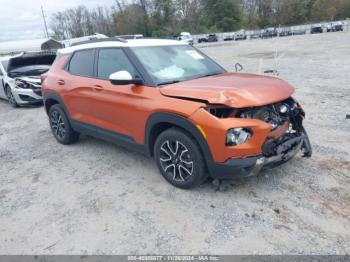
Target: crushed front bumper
(251, 166)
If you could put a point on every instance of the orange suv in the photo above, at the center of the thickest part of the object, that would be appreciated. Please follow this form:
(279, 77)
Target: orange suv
(170, 101)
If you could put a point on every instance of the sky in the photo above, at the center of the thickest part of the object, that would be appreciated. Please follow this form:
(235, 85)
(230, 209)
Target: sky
(22, 19)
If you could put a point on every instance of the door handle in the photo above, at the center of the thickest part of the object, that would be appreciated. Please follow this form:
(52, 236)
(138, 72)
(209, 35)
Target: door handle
(98, 87)
(61, 82)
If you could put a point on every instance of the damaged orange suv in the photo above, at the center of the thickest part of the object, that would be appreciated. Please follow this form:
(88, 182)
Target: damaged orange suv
(172, 102)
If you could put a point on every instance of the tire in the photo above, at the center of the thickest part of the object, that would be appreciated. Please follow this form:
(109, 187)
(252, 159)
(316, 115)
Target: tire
(179, 159)
(10, 98)
(60, 126)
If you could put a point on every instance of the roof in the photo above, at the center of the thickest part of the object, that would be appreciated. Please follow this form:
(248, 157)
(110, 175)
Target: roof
(29, 45)
(128, 43)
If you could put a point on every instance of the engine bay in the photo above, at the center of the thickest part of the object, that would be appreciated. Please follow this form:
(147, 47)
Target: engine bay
(285, 117)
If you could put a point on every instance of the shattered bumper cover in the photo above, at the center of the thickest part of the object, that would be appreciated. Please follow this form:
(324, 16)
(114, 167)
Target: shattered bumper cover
(235, 168)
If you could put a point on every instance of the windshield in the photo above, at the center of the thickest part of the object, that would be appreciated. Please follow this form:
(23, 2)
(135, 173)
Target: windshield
(4, 64)
(177, 63)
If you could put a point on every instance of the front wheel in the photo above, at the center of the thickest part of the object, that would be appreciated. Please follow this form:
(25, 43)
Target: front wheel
(179, 159)
(10, 97)
(60, 126)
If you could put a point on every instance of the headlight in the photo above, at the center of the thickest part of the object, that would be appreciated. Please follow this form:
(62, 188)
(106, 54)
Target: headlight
(21, 84)
(237, 136)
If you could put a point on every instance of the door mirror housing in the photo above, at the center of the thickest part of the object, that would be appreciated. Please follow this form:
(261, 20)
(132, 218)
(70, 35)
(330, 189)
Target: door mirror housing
(124, 78)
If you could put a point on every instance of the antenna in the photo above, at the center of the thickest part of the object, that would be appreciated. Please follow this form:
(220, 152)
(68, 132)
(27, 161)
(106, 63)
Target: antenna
(44, 18)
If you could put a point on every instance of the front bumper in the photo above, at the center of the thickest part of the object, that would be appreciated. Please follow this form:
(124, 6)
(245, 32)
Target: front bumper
(27, 96)
(236, 168)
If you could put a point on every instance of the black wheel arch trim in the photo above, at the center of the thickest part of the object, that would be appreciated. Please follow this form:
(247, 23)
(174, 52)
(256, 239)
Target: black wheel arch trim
(55, 96)
(177, 121)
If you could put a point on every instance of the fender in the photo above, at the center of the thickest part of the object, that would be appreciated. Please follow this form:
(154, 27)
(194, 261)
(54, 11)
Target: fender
(55, 96)
(179, 121)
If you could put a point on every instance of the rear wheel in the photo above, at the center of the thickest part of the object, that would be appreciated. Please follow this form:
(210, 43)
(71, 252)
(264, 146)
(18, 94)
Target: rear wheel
(179, 159)
(11, 99)
(60, 126)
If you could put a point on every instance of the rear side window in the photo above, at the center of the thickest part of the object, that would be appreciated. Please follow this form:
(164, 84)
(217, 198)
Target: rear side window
(82, 63)
(113, 60)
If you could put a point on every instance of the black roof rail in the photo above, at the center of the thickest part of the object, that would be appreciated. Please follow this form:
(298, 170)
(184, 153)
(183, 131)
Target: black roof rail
(110, 39)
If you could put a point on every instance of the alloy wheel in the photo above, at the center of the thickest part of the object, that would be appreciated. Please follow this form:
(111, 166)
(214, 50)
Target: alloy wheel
(57, 125)
(176, 161)
(10, 97)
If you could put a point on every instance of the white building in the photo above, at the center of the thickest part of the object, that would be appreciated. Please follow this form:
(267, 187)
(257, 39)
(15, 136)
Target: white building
(47, 44)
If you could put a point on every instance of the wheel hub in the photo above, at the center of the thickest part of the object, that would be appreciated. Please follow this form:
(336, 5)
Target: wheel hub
(176, 161)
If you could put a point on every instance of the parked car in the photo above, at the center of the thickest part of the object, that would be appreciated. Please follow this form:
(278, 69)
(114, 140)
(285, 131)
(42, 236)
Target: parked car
(287, 31)
(240, 35)
(209, 38)
(186, 37)
(255, 35)
(335, 27)
(229, 37)
(316, 29)
(20, 77)
(170, 101)
(269, 32)
(298, 31)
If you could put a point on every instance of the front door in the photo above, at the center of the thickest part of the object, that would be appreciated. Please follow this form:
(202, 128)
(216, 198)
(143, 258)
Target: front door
(119, 108)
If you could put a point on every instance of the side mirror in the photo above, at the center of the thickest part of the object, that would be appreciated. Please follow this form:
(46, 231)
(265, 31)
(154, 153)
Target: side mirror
(124, 78)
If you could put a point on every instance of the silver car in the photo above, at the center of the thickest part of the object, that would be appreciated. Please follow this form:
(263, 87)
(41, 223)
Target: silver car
(20, 82)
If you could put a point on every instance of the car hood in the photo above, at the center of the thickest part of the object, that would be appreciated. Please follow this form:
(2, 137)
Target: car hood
(232, 89)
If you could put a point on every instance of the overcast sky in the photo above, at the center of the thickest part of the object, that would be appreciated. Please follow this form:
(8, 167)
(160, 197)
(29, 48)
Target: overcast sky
(22, 19)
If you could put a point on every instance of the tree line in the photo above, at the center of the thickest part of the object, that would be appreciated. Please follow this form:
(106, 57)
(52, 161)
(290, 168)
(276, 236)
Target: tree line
(169, 17)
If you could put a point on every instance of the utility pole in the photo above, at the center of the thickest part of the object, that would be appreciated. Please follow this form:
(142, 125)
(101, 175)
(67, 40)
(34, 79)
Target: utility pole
(44, 18)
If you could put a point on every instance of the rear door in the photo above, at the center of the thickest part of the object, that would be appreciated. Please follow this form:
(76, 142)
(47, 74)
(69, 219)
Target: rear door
(79, 87)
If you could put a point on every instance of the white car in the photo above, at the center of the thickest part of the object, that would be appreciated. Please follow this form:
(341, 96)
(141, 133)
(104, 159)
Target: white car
(20, 82)
(186, 37)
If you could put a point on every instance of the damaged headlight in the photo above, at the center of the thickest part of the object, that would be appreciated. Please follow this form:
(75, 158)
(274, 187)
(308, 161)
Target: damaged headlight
(237, 136)
(22, 84)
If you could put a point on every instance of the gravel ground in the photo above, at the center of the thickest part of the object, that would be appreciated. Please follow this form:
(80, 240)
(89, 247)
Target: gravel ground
(97, 198)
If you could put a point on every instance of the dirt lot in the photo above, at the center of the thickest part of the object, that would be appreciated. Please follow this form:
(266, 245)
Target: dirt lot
(97, 198)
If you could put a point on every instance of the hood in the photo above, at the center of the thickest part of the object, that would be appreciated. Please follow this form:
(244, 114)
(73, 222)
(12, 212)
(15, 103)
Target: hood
(30, 59)
(232, 89)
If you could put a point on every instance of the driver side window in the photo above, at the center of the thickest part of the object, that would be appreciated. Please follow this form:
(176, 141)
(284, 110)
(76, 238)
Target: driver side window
(112, 60)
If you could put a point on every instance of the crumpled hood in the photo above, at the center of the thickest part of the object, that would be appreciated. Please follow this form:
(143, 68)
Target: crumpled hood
(232, 89)
(30, 79)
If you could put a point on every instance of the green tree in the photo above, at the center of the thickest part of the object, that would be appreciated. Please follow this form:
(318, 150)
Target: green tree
(225, 15)
(164, 17)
